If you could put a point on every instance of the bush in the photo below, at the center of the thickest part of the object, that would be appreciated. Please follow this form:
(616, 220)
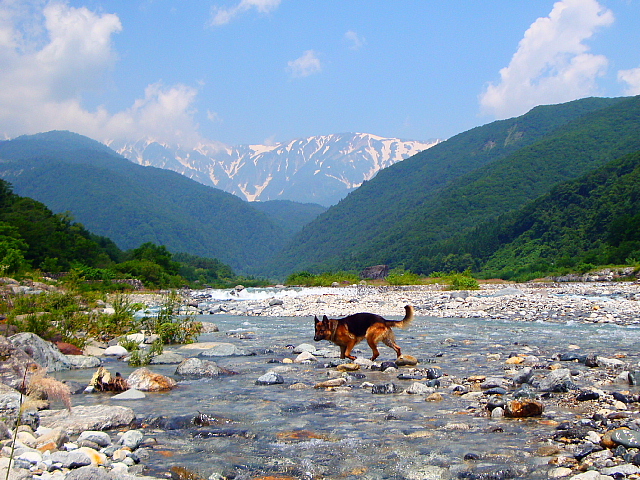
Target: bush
(400, 276)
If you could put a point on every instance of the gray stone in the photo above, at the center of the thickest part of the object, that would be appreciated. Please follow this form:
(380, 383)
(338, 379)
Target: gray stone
(87, 417)
(101, 439)
(167, 358)
(72, 459)
(46, 354)
(83, 361)
(626, 437)
(270, 378)
(131, 439)
(199, 368)
(131, 394)
(304, 347)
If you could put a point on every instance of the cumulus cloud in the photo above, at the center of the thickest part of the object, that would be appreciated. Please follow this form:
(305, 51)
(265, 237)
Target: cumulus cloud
(222, 16)
(51, 54)
(355, 40)
(306, 65)
(632, 79)
(552, 63)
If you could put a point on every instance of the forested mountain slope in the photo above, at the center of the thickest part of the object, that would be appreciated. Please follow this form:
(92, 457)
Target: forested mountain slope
(398, 216)
(132, 204)
(594, 220)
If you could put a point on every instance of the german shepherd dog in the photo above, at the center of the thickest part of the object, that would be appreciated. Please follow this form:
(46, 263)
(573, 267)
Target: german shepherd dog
(347, 332)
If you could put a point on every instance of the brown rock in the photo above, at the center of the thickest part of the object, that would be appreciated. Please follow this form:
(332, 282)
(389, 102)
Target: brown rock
(348, 367)
(145, 380)
(68, 349)
(406, 361)
(523, 408)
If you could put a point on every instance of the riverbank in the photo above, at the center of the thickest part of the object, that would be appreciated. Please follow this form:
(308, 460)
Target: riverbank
(588, 302)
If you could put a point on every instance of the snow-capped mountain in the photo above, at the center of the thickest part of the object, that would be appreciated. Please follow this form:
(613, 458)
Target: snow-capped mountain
(321, 169)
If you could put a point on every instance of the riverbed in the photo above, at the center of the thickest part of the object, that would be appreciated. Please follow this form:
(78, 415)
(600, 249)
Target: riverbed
(293, 430)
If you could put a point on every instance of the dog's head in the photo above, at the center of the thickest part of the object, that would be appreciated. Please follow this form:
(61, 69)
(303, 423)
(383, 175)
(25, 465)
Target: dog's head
(323, 332)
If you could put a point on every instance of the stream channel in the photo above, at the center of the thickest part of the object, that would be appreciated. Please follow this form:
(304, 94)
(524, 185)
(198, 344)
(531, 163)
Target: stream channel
(273, 431)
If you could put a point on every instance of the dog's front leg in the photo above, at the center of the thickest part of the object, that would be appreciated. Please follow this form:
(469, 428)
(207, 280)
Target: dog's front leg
(347, 351)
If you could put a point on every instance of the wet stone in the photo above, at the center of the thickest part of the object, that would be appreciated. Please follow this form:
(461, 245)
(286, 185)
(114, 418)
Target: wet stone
(383, 389)
(588, 395)
(626, 437)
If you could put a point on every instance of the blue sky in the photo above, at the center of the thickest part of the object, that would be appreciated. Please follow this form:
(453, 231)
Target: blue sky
(267, 71)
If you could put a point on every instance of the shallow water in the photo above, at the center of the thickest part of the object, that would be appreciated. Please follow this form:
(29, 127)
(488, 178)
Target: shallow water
(311, 433)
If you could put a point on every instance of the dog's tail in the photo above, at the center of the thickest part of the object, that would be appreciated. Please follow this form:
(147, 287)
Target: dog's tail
(408, 317)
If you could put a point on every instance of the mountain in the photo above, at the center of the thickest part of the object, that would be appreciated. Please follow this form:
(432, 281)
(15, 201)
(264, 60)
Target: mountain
(594, 220)
(406, 213)
(320, 169)
(132, 204)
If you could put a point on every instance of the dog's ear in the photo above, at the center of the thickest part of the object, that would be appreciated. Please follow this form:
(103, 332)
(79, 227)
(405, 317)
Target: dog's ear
(325, 319)
(315, 319)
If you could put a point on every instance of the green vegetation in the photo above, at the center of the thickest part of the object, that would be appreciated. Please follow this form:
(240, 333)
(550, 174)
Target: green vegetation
(306, 279)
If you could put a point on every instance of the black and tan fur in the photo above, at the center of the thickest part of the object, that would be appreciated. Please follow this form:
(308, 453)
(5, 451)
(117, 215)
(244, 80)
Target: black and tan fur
(347, 332)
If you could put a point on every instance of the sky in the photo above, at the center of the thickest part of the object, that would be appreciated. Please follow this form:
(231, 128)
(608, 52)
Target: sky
(239, 72)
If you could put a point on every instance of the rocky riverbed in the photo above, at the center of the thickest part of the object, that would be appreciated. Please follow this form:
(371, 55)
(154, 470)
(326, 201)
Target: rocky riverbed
(592, 302)
(528, 381)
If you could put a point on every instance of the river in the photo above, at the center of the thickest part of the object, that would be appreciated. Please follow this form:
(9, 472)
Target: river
(273, 431)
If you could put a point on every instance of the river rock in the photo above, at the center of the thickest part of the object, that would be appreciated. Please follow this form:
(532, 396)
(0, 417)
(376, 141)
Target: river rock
(222, 350)
(131, 439)
(522, 376)
(523, 408)
(304, 347)
(145, 380)
(334, 382)
(87, 417)
(305, 357)
(167, 358)
(384, 389)
(557, 381)
(73, 459)
(626, 437)
(406, 361)
(10, 400)
(131, 394)
(83, 361)
(13, 363)
(46, 354)
(100, 438)
(115, 351)
(417, 388)
(198, 367)
(270, 378)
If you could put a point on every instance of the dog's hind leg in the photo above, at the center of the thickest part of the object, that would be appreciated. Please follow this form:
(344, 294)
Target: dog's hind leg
(389, 341)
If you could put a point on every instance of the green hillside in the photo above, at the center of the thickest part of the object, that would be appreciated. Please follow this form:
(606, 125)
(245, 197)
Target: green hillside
(134, 205)
(403, 214)
(594, 220)
(288, 215)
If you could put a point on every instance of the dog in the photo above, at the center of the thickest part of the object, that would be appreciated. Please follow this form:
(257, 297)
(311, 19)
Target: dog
(347, 332)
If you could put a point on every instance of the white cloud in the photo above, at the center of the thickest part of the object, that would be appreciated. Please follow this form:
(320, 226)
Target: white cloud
(222, 16)
(50, 55)
(357, 42)
(306, 65)
(632, 79)
(552, 63)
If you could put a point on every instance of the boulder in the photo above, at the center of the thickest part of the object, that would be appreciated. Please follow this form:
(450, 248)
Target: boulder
(46, 354)
(198, 367)
(376, 272)
(87, 417)
(145, 380)
(13, 363)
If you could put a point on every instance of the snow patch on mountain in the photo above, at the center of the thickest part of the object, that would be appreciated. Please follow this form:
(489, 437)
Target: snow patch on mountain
(321, 169)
